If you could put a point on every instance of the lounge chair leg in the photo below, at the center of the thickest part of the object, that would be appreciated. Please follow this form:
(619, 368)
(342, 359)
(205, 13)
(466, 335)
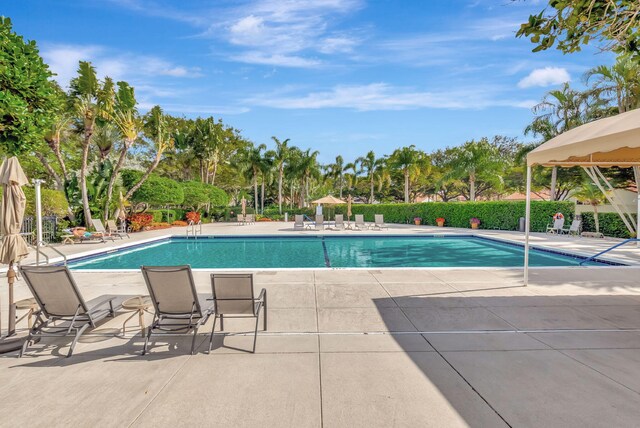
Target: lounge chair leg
(193, 341)
(75, 339)
(146, 341)
(255, 335)
(221, 322)
(25, 345)
(264, 319)
(213, 330)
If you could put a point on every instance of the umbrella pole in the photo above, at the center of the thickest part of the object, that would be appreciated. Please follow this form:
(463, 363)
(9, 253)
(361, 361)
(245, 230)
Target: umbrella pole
(11, 277)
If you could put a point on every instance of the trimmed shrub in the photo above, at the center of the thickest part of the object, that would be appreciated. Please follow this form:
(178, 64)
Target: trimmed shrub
(217, 196)
(179, 223)
(139, 221)
(53, 202)
(193, 216)
(610, 225)
(155, 191)
(196, 194)
(502, 215)
(157, 215)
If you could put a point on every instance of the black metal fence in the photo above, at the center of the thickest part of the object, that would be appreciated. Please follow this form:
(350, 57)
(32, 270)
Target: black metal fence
(49, 227)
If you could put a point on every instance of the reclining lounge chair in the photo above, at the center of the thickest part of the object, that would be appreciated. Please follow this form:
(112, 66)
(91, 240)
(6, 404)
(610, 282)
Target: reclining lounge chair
(174, 297)
(60, 301)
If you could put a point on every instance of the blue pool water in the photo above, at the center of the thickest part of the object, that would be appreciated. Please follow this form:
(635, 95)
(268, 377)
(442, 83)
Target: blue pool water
(321, 252)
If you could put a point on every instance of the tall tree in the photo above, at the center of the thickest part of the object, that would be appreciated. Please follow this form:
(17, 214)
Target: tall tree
(86, 91)
(250, 161)
(280, 158)
(370, 165)
(619, 83)
(124, 115)
(590, 194)
(336, 171)
(409, 161)
(477, 159)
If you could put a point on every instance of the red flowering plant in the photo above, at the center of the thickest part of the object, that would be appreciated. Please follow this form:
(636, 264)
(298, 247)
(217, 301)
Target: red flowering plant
(193, 216)
(440, 220)
(139, 221)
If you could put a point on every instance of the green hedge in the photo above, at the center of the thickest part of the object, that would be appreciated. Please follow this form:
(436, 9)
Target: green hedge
(157, 215)
(53, 202)
(610, 224)
(502, 215)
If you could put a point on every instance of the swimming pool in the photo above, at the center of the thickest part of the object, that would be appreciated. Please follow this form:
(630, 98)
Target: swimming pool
(261, 252)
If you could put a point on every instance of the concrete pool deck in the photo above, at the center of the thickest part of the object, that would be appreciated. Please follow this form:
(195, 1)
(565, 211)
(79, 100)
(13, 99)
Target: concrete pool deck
(345, 348)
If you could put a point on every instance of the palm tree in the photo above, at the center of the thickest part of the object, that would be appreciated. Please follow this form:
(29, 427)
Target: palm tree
(250, 161)
(408, 160)
(267, 174)
(280, 159)
(475, 158)
(124, 116)
(620, 82)
(89, 105)
(371, 165)
(591, 194)
(308, 168)
(336, 171)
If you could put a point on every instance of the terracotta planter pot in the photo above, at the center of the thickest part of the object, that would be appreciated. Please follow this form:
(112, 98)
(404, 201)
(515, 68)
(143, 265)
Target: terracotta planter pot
(474, 225)
(417, 222)
(440, 223)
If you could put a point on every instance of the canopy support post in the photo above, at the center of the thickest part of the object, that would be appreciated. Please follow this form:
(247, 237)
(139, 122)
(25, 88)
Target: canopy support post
(636, 173)
(38, 195)
(595, 174)
(527, 227)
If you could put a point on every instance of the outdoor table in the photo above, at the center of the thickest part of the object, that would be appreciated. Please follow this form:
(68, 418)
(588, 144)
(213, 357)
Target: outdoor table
(29, 304)
(139, 305)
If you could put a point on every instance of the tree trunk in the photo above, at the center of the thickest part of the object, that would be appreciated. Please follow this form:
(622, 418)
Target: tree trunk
(341, 185)
(554, 181)
(262, 198)
(406, 186)
(88, 132)
(280, 173)
(54, 144)
(201, 170)
(472, 187)
(595, 218)
(255, 191)
(114, 176)
(51, 171)
(146, 175)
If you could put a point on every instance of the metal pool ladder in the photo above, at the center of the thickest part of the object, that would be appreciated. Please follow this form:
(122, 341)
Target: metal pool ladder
(619, 244)
(194, 229)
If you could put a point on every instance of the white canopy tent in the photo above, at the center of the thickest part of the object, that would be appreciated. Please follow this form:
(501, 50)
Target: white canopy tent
(613, 141)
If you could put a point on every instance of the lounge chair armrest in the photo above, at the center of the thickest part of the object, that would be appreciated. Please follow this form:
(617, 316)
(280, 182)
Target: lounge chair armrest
(108, 300)
(262, 295)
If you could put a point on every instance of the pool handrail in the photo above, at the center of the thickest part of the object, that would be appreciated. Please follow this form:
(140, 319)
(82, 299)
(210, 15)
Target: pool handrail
(619, 244)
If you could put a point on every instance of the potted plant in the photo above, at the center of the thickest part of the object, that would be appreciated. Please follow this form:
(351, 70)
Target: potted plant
(417, 220)
(474, 222)
(440, 221)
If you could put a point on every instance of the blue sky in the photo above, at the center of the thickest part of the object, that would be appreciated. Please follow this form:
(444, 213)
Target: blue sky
(339, 76)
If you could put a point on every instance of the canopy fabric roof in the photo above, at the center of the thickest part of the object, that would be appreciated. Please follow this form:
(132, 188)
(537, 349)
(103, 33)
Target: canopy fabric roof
(612, 141)
(329, 200)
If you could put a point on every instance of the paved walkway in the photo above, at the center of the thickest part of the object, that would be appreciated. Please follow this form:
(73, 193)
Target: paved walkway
(345, 348)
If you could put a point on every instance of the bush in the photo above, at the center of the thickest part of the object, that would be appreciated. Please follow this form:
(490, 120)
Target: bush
(196, 194)
(157, 215)
(53, 202)
(610, 225)
(193, 216)
(218, 197)
(179, 223)
(158, 225)
(502, 215)
(155, 191)
(139, 221)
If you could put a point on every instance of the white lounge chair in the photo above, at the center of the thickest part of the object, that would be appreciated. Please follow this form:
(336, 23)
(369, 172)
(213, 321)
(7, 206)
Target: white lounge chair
(114, 230)
(339, 222)
(97, 224)
(359, 222)
(299, 222)
(319, 223)
(574, 229)
(379, 222)
(557, 226)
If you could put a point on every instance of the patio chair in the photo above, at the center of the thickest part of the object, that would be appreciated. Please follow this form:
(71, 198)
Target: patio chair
(174, 297)
(339, 222)
(101, 230)
(359, 222)
(299, 222)
(241, 220)
(556, 228)
(319, 223)
(379, 222)
(250, 218)
(80, 234)
(60, 301)
(233, 297)
(114, 230)
(574, 229)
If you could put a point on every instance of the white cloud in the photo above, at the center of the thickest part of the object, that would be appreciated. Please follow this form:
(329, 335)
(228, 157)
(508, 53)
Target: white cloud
(381, 96)
(254, 57)
(63, 60)
(546, 76)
